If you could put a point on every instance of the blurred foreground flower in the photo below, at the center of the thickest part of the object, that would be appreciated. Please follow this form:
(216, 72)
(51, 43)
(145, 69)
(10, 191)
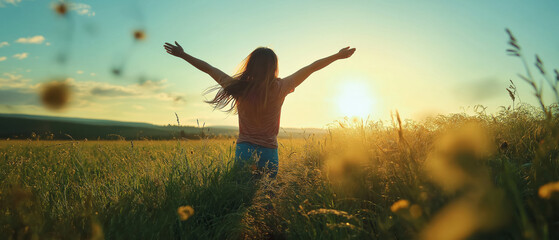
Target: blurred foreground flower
(458, 158)
(406, 210)
(458, 163)
(139, 35)
(464, 217)
(400, 205)
(185, 212)
(55, 95)
(61, 8)
(347, 168)
(548, 189)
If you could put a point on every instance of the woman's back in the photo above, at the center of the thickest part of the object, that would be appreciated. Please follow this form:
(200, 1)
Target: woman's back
(261, 126)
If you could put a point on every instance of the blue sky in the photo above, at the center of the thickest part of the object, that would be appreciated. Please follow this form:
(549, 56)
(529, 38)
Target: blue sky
(419, 57)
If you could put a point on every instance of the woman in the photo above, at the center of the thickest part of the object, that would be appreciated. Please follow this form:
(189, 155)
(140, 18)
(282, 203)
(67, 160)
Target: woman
(256, 94)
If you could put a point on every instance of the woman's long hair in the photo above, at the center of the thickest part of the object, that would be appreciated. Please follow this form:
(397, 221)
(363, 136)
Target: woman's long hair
(252, 82)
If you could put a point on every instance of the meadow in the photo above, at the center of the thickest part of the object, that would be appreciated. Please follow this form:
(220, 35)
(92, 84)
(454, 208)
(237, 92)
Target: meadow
(458, 176)
(450, 177)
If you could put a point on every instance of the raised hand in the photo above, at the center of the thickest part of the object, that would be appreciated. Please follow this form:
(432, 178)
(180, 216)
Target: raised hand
(345, 52)
(176, 51)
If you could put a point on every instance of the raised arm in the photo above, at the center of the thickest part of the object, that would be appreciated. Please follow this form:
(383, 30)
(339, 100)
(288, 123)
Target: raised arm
(177, 51)
(298, 77)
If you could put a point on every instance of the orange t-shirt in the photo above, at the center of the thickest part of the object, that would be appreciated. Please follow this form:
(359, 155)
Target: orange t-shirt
(262, 128)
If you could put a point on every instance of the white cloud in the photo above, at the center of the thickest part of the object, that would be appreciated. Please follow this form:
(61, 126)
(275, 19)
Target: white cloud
(3, 59)
(82, 9)
(93, 74)
(21, 56)
(79, 72)
(92, 92)
(107, 90)
(13, 2)
(32, 40)
(154, 85)
(2, 44)
(142, 90)
(170, 97)
(8, 81)
(113, 91)
(47, 43)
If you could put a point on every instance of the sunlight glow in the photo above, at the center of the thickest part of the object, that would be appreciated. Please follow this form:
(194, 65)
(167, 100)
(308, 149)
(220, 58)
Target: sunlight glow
(355, 99)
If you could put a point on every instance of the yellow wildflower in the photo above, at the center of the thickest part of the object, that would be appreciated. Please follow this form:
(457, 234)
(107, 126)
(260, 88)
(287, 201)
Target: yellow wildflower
(548, 189)
(185, 212)
(399, 205)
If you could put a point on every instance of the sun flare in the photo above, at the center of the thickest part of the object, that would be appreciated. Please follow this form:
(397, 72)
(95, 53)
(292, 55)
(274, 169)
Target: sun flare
(355, 100)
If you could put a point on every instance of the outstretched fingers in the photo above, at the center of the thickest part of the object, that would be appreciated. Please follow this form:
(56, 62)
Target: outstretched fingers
(173, 49)
(170, 48)
(346, 52)
(351, 51)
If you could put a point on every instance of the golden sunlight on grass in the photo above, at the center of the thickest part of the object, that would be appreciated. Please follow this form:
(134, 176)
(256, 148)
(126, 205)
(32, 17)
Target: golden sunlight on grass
(355, 99)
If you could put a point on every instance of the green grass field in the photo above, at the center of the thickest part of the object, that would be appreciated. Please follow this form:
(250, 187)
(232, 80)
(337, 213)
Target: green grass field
(482, 176)
(450, 177)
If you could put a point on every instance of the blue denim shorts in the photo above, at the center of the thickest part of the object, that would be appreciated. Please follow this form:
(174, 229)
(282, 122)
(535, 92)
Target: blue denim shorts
(265, 159)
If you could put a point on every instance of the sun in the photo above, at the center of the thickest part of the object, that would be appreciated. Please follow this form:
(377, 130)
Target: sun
(355, 99)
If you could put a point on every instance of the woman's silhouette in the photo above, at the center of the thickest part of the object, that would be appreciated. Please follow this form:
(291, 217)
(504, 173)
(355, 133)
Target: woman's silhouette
(256, 94)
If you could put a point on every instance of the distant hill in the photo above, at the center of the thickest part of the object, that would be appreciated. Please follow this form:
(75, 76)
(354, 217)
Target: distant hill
(20, 126)
(79, 120)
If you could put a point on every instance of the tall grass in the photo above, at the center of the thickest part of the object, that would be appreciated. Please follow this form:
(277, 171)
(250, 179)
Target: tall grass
(366, 180)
